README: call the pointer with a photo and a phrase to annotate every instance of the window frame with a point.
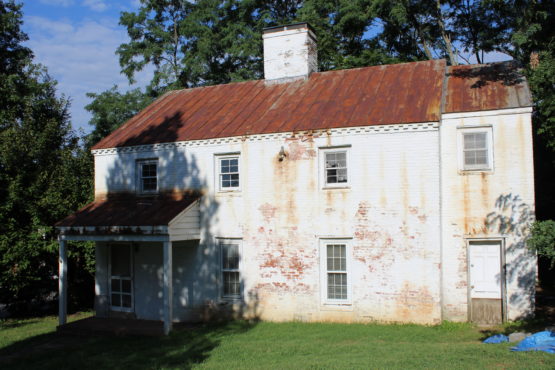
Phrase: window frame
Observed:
(140, 183)
(129, 278)
(324, 242)
(218, 165)
(323, 169)
(222, 242)
(488, 131)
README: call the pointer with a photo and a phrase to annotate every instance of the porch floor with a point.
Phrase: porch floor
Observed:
(115, 326)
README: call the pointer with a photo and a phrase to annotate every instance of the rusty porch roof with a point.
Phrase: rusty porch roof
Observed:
(130, 210)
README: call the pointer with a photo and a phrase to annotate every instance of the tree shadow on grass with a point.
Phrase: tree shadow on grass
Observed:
(16, 324)
(181, 349)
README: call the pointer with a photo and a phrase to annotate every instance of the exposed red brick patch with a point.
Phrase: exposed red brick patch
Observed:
(268, 211)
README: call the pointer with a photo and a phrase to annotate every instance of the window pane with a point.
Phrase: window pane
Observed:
(469, 141)
(229, 173)
(469, 158)
(232, 285)
(230, 256)
(337, 286)
(476, 150)
(126, 300)
(149, 170)
(121, 260)
(116, 300)
(116, 285)
(342, 175)
(149, 183)
(126, 286)
(481, 157)
(336, 167)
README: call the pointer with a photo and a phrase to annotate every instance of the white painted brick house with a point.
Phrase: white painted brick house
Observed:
(392, 193)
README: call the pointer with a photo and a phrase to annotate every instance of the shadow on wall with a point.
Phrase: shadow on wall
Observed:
(514, 217)
(197, 270)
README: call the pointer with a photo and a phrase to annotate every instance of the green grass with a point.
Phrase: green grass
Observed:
(239, 345)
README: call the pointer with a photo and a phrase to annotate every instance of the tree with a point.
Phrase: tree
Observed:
(43, 171)
(542, 240)
(111, 108)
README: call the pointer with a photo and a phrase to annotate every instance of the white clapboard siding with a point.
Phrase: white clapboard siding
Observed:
(186, 225)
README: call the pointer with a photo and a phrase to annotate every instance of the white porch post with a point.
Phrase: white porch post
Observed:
(168, 287)
(62, 283)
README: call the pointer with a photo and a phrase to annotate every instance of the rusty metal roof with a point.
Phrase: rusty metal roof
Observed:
(486, 87)
(130, 210)
(380, 95)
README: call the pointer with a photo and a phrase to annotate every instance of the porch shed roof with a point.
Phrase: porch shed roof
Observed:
(130, 210)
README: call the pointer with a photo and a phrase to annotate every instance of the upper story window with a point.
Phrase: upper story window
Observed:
(228, 172)
(148, 175)
(476, 149)
(335, 163)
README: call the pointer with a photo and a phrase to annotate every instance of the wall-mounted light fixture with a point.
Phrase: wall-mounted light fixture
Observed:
(282, 154)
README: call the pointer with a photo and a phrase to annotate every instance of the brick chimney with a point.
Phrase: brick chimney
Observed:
(289, 52)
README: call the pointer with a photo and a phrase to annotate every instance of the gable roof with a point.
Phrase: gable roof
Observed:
(379, 95)
(479, 87)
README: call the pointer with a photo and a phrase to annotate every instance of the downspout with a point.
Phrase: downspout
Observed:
(441, 261)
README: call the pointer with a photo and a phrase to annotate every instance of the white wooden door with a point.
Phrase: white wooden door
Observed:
(485, 269)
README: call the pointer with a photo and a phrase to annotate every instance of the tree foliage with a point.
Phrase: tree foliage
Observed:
(111, 108)
(542, 239)
(44, 173)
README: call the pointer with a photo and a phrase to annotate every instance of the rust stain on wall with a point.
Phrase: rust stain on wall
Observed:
(414, 303)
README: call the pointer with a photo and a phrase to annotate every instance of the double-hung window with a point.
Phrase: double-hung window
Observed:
(476, 149)
(335, 271)
(228, 172)
(231, 276)
(334, 167)
(147, 175)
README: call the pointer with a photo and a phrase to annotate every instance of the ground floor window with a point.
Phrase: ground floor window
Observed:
(335, 271)
(230, 260)
(121, 286)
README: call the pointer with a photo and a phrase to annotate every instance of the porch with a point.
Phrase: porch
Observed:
(122, 223)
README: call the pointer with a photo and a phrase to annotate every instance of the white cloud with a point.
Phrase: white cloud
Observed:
(95, 5)
(80, 55)
(63, 3)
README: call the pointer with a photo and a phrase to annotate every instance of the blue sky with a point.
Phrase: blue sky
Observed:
(76, 40)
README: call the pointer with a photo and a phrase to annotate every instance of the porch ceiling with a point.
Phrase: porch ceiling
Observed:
(124, 214)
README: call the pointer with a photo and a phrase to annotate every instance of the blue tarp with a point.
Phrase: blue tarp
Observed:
(497, 338)
(542, 341)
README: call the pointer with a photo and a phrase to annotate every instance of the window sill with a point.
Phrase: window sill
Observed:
(345, 187)
(229, 193)
(487, 171)
(336, 306)
(230, 300)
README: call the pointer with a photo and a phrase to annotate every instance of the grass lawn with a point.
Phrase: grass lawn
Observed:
(33, 343)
